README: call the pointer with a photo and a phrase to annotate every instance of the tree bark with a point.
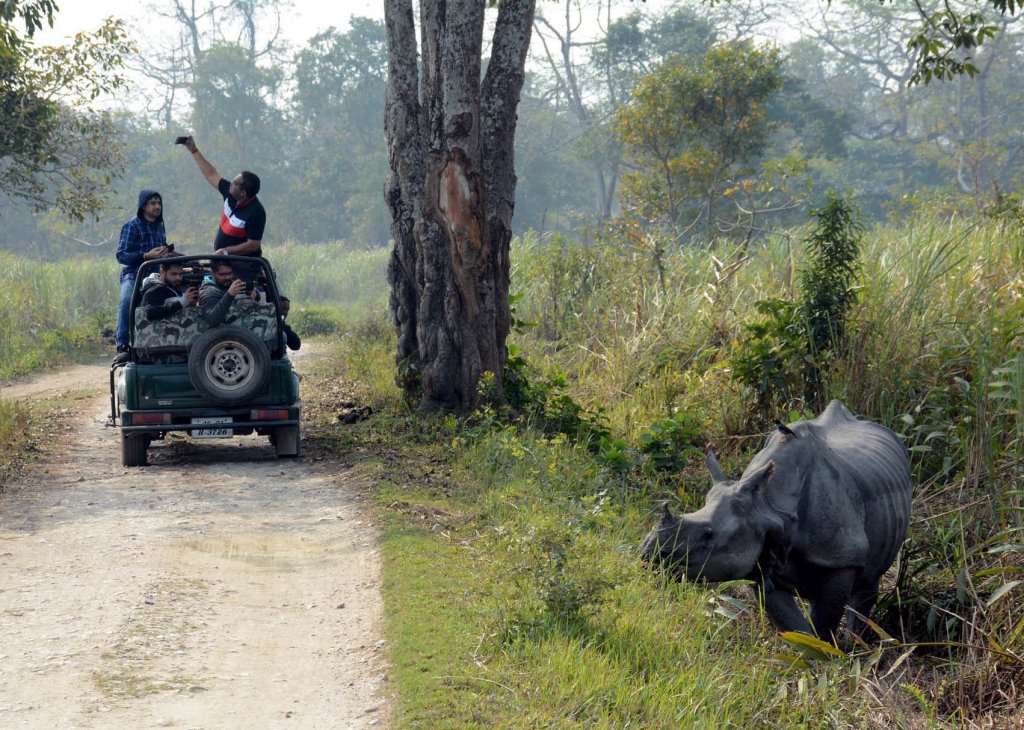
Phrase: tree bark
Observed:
(403, 191)
(451, 194)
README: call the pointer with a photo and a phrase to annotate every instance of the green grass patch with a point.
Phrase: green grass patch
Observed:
(513, 593)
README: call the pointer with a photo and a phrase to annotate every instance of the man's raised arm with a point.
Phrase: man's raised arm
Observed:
(208, 170)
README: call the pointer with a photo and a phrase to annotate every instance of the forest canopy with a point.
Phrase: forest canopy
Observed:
(840, 101)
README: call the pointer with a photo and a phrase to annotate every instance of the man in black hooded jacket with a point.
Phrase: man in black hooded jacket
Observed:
(142, 239)
(161, 292)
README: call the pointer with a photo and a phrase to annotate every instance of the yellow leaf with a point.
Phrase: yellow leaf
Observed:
(811, 645)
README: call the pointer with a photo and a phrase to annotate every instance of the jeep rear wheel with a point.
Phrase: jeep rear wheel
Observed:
(228, 365)
(133, 449)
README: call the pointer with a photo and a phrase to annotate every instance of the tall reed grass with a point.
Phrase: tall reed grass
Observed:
(934, 351)
(51, 312)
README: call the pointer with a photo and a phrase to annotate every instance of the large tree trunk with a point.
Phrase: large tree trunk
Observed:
(404, 189)
(451, 194)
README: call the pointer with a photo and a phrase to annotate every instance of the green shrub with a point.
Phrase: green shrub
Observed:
(544, 402)
(667, 442)
(791, 349)
(310, 320)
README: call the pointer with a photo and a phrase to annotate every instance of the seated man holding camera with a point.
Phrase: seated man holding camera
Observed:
(161, 292)
(219, 291)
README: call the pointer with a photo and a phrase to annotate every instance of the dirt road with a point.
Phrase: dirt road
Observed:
(219, 587)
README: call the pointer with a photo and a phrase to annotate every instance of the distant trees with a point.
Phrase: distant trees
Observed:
(844, 113)
(54, 149)
(588, 80)
(340, 80)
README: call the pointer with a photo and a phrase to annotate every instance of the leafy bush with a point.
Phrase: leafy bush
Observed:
(544, 401)
(769, 361)
(826, 291)
(667, 442)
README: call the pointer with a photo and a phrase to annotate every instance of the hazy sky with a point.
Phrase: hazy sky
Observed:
(305, 18)
(302, 20)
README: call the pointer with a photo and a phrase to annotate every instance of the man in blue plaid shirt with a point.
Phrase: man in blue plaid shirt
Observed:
(142, 239)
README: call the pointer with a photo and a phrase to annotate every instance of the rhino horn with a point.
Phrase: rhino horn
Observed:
(714, 467)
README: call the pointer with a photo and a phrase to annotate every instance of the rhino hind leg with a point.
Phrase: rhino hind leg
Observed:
(862, 600)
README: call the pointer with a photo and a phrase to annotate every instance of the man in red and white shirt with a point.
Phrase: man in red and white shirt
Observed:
(243, 218)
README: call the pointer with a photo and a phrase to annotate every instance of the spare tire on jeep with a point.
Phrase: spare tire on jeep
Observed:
(228, 365)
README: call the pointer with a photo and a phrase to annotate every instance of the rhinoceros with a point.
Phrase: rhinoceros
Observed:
(820, 512)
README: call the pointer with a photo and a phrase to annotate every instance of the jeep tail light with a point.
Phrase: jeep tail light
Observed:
(261, 414)
(150, 419)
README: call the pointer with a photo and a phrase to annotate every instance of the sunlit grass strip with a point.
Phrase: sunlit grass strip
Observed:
(352, 280)
(50, 313)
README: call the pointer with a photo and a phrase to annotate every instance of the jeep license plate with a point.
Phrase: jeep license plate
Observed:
(210, 433)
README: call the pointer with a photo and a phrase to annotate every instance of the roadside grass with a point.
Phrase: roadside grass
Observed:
(49, 313)
(29, 430)
(15, 439)
(513, 593)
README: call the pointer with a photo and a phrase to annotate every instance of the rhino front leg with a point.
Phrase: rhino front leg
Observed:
(829, 601)
(783, 611)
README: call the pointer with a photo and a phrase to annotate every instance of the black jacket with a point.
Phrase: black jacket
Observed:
(214, 302)
(290, 338)
(159, 300)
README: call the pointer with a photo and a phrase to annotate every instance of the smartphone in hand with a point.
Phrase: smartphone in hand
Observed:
(181, 140)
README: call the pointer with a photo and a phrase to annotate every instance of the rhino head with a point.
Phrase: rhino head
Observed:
(725, 539)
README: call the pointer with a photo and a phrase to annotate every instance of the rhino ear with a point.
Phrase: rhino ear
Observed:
(760, 478)
(666, 515)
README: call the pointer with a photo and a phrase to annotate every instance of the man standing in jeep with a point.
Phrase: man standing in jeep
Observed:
(142, 239)
(243, 218)
(161, 292)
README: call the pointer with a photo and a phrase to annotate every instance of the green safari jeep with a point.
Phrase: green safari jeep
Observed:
(212, 381)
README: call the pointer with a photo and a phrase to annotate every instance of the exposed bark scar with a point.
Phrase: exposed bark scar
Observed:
(458, 203)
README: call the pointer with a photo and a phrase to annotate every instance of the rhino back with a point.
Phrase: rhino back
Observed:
(874, 463)
(848, 482)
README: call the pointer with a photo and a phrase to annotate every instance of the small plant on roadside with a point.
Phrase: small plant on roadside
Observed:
(544, 402)
(547, 556)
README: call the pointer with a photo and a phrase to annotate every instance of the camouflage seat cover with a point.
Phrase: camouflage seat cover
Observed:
(177, 331)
